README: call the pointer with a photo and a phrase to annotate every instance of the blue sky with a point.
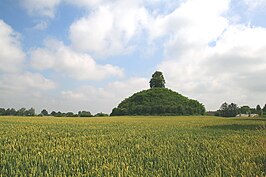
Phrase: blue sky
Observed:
(91, 54)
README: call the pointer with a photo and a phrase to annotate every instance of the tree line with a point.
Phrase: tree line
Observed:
(44, 112)
(232, 110)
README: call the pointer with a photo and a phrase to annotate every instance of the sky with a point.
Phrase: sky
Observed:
(64, 55)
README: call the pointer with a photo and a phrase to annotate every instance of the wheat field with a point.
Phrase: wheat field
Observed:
(132, 146)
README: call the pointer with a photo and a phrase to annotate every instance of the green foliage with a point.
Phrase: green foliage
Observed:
(230, 110)
(21, 112)
(100, 114)
(157, 80)
(44, 112)
(53, 113)
(30, 112)
(57, 114)
(126, 146)
(84, 114)
(245, 110)
(259, 110)
(71, 114)
(25, 112)
(2, 111)
(264, 109)
(158, 101)
(11, 112)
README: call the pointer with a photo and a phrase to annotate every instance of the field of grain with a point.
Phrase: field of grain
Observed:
(132, 146)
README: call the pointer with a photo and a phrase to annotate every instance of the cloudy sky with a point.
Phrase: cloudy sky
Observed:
(66, 55)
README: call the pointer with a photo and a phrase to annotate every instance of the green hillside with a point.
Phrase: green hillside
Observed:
(158, 101)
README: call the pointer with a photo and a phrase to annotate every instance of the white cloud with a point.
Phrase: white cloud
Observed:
(102, 99)
(233, 70)
(45, 8)
(11, 54)
(205, 56)
(24, 81)
(109, 29)
(25, 90)
(58, 57)
(17, 84)
(41, 26)
(126, 88)
(188, 30)
(254, 4)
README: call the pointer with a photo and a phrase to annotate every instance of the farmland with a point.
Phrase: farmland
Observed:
(132, 146)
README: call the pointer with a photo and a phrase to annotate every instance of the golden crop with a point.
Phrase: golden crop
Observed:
(132, 146)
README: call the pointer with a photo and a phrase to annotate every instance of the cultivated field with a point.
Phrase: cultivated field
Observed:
(132, 146)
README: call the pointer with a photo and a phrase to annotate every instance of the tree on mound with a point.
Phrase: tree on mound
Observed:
(157, 80)
(158, 101)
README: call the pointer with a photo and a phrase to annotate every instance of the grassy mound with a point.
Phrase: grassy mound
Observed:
(158, 101)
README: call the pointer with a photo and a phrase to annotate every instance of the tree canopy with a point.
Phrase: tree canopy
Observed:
(44, 112)
(264, 109)
(259, 110)
(228, 110)
(245, 110)
(157, 80)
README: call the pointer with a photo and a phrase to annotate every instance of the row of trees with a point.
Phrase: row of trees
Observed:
(232, 110)
(79, 114)
(20, 112)
(44, 112)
